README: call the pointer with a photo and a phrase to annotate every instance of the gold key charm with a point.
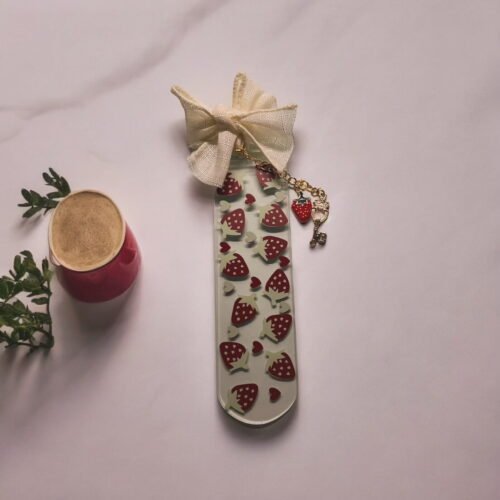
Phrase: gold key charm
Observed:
(321, 209)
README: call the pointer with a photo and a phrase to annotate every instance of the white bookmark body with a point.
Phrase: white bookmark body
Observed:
(255, 315)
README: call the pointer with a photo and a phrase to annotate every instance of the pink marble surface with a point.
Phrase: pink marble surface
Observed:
(397, 318)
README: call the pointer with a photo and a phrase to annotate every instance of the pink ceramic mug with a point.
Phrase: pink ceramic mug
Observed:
(94, 251)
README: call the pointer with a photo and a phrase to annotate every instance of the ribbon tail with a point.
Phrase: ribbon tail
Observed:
(210, 162)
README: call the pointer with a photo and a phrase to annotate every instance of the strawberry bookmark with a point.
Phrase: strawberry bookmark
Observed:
(255, 327)
(244, 151)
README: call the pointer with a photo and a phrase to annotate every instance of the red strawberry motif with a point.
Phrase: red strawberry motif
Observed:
(274, 394)
(277, 287)
(224, 247)
(302, 208)
(231, 187)
(234, 266)
(234, 355)
(276, 327)
(233, 224)
(242, 397)
(254, 283)
(244, 310)
(257, 348)
(249, 199)
(273, 217)
(280, 366)
(271, 247)
(268, 180)
(284, 261)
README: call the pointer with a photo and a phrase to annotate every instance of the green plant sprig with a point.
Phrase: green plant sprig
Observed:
(37, 202)
(20, 325)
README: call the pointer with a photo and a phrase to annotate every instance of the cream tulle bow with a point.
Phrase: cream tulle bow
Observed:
(254, 120)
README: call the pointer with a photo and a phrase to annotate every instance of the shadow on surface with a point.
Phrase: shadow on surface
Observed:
(87, 336)
(96, 319)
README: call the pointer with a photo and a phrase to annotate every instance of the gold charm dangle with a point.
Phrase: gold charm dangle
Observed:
(320, 206)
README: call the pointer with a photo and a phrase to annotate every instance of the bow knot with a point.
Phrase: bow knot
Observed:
(254, 120)
(225, 118)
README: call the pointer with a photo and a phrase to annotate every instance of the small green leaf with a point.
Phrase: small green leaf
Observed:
(26, 195)
(54, 194)
(54, 174)
(19, 307)
(42, 318)
(32, 211)
(40, 300)
(35, 197)
(65, 189)
(30, 284)
(17, 264)
(9, 284)
(4, 290)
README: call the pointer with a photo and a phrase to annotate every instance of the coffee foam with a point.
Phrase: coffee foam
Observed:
(87, 231)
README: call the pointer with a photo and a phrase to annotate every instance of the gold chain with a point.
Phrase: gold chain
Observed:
(321, 207)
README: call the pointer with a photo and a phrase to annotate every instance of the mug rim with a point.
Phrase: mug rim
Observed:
(85, 269)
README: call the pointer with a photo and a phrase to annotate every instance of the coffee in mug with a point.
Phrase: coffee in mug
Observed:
(96, 254)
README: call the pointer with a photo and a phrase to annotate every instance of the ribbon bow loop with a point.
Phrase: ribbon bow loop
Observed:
(254, 118)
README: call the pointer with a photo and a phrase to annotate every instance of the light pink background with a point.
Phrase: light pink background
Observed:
(397, 318)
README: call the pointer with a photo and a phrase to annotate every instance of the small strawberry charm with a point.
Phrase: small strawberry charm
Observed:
(280, 366)
(244, 310)
(302, 208)
(232, 224)
(231, 187)
(255, 283)
(271, 247)
(267, 180)
(257, 348)
(242, 397)
(272, 217)
(277, 287)
(274, 394)
(234, 355)
(276, 327)
(233, 266)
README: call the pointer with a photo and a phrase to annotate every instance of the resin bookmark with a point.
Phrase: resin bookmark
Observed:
(255, 327)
